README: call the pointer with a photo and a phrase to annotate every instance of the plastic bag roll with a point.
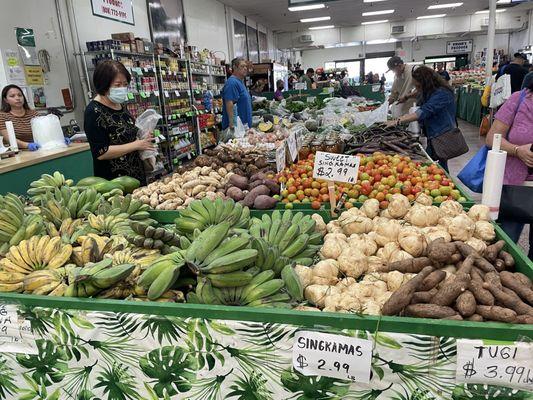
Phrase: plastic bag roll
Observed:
(493, 180)
(11, 135)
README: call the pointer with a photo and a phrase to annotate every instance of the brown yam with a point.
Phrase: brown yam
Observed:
(450, 290)
(455, 317)
(432, 280)
(484, 265)
(495, 313)
(264, 202)
(510, 280)
(254, 184)
(423, 297)
(475, 318)
(492, 251)
(477, 275)
(499, 264)
(252, 195)
(272, 185)
(494, 279)
(429, 311)
(257, 177)
(465, 249)
(483, 296)
(523, 279)
(411, 265)
(466, 304)
(440, 251)
(240, 181)
(467, 264)
(402, 297)
(524, 319)
(509, 299)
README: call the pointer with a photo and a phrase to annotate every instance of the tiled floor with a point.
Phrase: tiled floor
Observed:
(471, 133)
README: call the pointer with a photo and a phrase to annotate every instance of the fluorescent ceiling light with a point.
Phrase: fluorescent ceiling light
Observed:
(346, 44)
(305, 8)
(503, 1)
(449, 5)
(431, 16)
(315, 19)
(370, 13)
(314, 28)
(487, 11)
(381, 21)
(381, 41)
(372, 1)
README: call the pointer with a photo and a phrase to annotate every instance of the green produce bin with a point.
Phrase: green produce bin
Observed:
(116, 349)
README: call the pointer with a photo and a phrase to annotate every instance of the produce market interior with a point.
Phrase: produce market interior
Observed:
(249, 199)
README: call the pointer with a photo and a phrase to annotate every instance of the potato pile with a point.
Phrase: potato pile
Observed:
(416, 260)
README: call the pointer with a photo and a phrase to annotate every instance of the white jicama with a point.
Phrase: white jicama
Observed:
(355, 224)
(387, 251)
(477, 244)
(412, 241)
(398, 206)
(325, 272)
(424, 199)
(371, 208)
(386, 232)
(365, 243)
(320, 225)
(461, 228)
(334, 226)
(352, 262)
(316, 294)
(432, 233)
(305, 274)
(332, 248)
(479, 212)
(451, 208)
(484, 230)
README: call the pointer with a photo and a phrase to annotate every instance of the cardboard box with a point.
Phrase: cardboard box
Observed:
(124, 36)
(139, 45)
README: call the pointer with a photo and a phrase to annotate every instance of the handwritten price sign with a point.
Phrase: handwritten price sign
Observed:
(336, 167)
(293, 146)
(336, 356)
(16, 335)
(503, 364)
(280, 157)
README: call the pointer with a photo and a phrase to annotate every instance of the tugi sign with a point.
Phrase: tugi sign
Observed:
(118, 10)
(459, 47)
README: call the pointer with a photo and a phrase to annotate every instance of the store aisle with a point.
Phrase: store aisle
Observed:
(471, 133)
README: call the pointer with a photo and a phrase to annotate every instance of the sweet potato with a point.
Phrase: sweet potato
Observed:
(495, 313)
(423, 297)
(466, 304)
(235, 193)
(252, 195)
(254, 184)
(483, 296)
(440, 251)
(411, 265)
(240, 181)
(272, 185)
(524, 319)
(455, 317)
(429, 311)
(432, 280)
(402, 297)
(509, 299)
(264, 202)
(510, 280)
(492, 251)
(523, 279)
(450, 290)
(257, 177)
(475, 318)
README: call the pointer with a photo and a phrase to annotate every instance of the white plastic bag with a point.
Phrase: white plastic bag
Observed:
(47, 132)
(500, 91)
(414, 126)
(146, 122)
(378, 115)
(240, 129)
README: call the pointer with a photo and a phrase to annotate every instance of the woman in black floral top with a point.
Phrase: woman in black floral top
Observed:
(110, 130)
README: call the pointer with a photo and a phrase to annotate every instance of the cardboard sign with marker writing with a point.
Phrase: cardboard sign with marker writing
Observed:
(336, 167)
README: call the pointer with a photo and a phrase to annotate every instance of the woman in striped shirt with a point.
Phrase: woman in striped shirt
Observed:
(14, 107)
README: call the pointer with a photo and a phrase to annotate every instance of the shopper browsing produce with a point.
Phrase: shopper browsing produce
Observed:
(442, 72)
(15, 108)
(307, 78)
(110, 129)
(278, 94)
(237, 100)
(403, 85)
(516, 70)
(437, 109)
(514, 121)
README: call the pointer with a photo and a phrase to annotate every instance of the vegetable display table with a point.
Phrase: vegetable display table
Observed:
(469, 105)
(16, 173)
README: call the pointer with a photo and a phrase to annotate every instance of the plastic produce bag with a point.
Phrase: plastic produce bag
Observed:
(47, 132)
(414, 126)
(379, 114)
(146, 122)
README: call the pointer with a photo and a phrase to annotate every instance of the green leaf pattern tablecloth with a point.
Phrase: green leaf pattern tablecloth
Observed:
(104, 355)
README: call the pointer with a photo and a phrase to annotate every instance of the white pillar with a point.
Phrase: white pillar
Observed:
(490, 36)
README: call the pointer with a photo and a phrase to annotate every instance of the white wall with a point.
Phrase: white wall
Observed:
(205, 22)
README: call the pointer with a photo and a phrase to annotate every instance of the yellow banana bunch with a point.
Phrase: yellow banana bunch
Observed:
(109, 225)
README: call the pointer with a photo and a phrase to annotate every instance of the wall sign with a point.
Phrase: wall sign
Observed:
(118, 10)
(459, 47)
(34, 75)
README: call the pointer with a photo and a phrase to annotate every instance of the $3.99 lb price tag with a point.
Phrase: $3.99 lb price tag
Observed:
(508, 365)
(336, 167)
(335, 356)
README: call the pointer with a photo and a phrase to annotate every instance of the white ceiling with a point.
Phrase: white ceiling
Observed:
(275, 15)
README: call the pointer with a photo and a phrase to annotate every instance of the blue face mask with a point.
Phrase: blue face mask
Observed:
(118, 94)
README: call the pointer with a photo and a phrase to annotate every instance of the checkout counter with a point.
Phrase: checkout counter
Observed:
(17, 172)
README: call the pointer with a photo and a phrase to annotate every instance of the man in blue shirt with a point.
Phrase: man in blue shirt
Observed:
(235, 97)
(442, 72)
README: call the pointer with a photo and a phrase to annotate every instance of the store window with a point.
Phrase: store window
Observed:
(239, 39)
(378, 66)
(253, 47)
(263, 46)
(352, 67)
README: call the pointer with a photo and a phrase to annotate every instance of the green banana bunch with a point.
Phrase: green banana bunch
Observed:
(201, 214)
(133, 208)
(150, 237)
(161, 275)
(47, 183)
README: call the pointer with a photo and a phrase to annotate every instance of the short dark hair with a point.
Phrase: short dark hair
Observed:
(5, 107)
(104, 74)
(310, 71)
(236, 61)
(393, 62)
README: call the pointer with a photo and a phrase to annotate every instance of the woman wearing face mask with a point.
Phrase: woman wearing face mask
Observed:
(110, 129)
(15, 108)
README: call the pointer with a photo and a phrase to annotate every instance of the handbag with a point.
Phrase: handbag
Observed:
(449, 145)
(472, 174)
(484, 128)
(515, 204)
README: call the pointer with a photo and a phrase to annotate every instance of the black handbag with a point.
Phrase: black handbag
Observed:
(449, 145)
(516, 204)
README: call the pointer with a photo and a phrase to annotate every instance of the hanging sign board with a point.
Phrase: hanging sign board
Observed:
(459, 47)
(118, 10)
(500, 364)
